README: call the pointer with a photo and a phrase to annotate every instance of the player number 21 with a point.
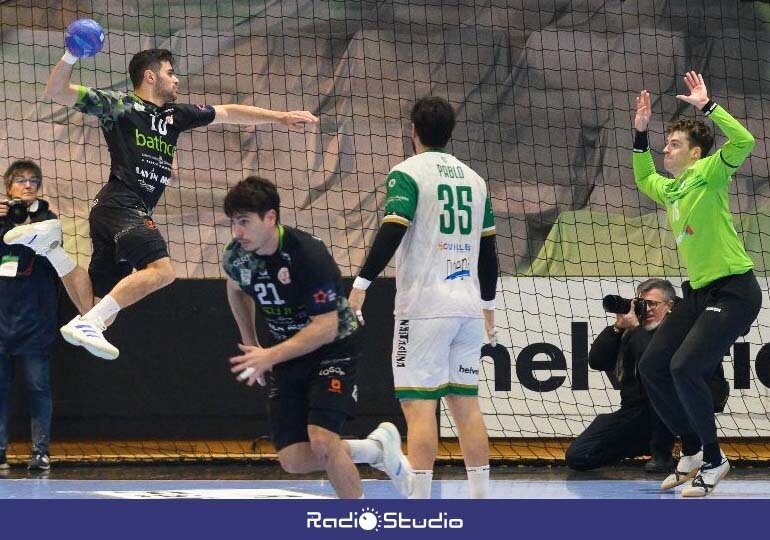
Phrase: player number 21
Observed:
(263, 293)
(456, 210)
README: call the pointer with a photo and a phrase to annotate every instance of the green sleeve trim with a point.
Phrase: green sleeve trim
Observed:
(403, 194)
(489, 217)
(82, 92)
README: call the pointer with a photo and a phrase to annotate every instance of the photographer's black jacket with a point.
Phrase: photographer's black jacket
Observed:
(29, 301)
(609, 349)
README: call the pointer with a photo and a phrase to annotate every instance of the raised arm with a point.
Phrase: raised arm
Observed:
(647, 178)
(740, 142)
(59, 88)
(249, 115)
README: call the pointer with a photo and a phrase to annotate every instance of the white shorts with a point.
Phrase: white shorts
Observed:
(436, 357)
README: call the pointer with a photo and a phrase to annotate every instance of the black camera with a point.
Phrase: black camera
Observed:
(613, 303)
(17, 211)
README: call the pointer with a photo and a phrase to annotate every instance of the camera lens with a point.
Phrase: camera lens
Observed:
(613, 303)
(17, 211)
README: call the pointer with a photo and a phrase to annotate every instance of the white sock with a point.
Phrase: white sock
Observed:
(478, 478)
(61, 261)
(420, 486)
(365, 451)
(101, 312)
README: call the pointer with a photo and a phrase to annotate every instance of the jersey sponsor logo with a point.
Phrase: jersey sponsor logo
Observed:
(245, 277)
(467, 370)
(144, 185)
(332, 370)
(278, 311)
(240, 261)
(402, 342)
(324, 296)
(153, 142)
(714, 308)
(688, 231)
(458, 269)
(397, 198)
(283, 276)
(454, 246)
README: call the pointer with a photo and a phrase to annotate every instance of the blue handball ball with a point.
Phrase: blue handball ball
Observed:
(84, 38)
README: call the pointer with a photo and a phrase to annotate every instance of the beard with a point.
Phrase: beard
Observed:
(652, 325)
(167, 95)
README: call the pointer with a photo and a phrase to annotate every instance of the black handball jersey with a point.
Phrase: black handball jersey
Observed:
(298, 281)
(141, 138)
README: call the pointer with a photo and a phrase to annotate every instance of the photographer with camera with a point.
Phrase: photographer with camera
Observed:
(634, 429)
(29, 290)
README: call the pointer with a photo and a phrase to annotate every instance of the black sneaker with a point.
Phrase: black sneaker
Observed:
(3, 461)
(39, 462)
(659, 463)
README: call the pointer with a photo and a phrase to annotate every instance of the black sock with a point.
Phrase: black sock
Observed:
(711, 454)
(690, 444)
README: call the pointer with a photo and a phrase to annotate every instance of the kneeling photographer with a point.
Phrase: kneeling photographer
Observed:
(29, 291)
(634, 429)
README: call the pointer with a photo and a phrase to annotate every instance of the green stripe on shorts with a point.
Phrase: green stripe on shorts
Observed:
(437, 392)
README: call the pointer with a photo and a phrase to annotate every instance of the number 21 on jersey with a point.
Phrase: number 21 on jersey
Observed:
(267, 295)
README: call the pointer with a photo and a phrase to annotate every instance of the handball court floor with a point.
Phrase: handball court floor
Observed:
(520, 470)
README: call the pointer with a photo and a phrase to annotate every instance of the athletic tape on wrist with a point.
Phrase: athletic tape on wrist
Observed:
(69, 57)
(361, 283)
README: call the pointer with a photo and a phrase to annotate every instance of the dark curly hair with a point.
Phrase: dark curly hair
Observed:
(698, 134)
(254, 194)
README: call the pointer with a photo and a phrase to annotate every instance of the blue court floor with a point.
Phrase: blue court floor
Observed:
(526, 483)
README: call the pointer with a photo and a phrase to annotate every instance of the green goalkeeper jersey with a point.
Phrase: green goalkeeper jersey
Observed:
(698, 205)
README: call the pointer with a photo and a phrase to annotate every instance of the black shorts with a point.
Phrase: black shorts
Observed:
(317, 389)
(123, 238)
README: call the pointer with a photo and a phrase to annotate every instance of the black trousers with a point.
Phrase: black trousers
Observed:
(689, 345)
(626, 433)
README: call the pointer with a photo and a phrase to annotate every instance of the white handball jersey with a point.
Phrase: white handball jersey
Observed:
(447, 210)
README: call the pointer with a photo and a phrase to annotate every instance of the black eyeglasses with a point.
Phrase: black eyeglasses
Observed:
(652, 304)
(21, 180)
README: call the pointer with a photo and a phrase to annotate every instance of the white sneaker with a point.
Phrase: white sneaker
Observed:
(394, 463)
(86, 334)
(686, 469)
(707, 479)
(42, 236)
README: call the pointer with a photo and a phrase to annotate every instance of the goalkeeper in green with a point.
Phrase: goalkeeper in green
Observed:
(722, 297)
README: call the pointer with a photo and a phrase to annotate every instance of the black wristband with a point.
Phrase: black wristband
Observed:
(641, 143)
(709, 107)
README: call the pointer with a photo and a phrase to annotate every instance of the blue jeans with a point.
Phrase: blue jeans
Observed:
(37, 374)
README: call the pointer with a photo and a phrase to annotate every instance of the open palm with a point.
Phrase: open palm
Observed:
(699, 95)
(643, 111)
